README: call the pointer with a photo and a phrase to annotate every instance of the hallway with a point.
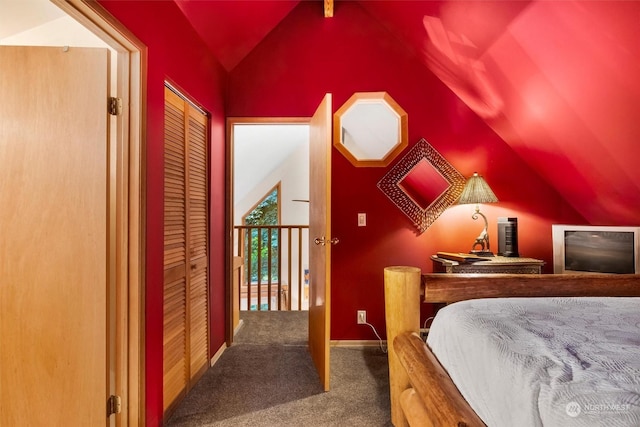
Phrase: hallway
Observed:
(267, 378)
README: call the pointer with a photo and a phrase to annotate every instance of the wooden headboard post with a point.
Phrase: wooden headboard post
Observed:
(402, 314)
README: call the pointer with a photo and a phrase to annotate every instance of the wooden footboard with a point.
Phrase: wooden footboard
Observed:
(422, 393)
(434, 395)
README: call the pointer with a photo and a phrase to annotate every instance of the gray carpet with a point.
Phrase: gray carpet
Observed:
(267, 378)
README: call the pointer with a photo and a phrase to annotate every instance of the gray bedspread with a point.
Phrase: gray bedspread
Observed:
(544, 361)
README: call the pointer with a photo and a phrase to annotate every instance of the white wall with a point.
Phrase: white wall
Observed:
(64, 31)
(263, 159)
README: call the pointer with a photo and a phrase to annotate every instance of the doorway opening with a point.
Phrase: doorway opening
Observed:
(270, 188)
(318, 202)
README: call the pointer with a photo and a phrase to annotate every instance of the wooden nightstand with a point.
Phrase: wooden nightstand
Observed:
(497, 264)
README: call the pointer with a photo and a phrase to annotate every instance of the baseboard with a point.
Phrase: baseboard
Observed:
(356, 343)
(216, 356)
(237, 329)
(332, 343)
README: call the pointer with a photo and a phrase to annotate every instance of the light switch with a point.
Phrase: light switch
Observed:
(362, 220)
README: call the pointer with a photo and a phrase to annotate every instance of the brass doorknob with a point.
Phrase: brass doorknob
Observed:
(322, 241)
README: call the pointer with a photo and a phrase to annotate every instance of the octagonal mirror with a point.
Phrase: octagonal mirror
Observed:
(370, 129)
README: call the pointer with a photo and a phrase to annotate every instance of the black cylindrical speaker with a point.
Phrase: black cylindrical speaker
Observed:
(508, 237)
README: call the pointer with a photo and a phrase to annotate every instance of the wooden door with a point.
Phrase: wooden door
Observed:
(198, 239)
(186, 260)
(54, 246)
(320, 231)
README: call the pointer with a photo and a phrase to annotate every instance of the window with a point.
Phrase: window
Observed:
(259, 242)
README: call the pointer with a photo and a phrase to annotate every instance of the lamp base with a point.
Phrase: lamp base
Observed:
(482, 253)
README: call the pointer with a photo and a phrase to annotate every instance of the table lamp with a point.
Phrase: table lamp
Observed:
(477, 191)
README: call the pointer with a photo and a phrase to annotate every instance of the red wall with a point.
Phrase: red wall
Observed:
(557, 80)
(176, 54)
(307, 56)
(287, 75)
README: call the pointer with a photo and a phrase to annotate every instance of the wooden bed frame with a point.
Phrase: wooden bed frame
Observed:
(421, 391)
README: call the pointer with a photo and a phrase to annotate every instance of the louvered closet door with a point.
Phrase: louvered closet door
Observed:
(186, 329)
(175, 252)
(197, 220)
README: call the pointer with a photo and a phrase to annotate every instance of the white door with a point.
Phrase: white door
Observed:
(54, 236)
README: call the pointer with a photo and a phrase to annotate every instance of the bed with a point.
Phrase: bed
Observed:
(461, 377)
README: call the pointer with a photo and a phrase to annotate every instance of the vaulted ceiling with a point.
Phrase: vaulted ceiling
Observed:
(232, 29)
(558, 81)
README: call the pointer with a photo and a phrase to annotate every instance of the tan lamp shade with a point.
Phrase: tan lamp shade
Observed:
(476, 190)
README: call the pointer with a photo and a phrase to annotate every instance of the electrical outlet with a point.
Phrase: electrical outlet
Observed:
(362, 317)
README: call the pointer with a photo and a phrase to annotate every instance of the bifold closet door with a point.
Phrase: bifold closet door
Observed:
(186, 296)
(197, 208)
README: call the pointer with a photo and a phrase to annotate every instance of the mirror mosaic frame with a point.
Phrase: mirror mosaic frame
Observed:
(390, 185)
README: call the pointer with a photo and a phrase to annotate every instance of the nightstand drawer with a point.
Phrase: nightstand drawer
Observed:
(497, 264)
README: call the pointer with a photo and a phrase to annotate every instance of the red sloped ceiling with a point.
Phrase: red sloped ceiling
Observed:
(231, 29)
(556, 80)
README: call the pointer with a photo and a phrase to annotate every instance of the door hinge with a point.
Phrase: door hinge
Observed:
(114, 405)
(115, 106)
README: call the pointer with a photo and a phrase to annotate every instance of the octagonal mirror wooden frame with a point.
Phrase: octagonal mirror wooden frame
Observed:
(370, 129)
(425, 202)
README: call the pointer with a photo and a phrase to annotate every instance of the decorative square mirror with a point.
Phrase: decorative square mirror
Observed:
(422, 185)
(370, 129)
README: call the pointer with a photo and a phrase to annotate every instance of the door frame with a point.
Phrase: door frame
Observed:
(229, 255)
(127, 206)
